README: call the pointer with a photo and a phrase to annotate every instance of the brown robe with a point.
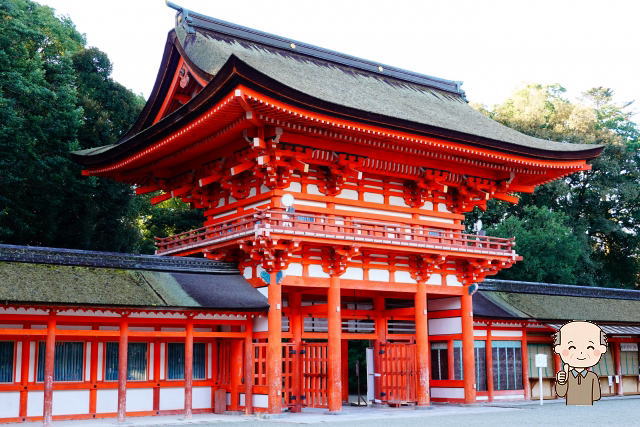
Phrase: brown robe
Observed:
(581, 388)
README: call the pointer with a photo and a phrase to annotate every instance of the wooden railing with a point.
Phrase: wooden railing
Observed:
(335, 227)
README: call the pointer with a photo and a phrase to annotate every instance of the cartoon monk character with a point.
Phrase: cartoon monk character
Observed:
(580, 346)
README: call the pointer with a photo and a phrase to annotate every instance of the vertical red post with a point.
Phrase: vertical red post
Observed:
(489, 364)
(422, 344)
(274, 346)
(236, 373)
(381, 332)
(188, 369)
(557, 366)
(468, 362)
(617, 361)
(24, 377)
(248, 367)
(525, 365)
(123, 348)
(49, 358)
(93, 376)
(295, 326)
(334, 318)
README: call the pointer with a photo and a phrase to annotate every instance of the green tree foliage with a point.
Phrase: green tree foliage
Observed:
(56, 96)
(601, 206)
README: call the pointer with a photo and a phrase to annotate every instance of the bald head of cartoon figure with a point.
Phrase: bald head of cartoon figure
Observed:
(580, 344)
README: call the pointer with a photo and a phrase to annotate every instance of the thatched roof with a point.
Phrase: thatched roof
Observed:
(62, 276)
(550, 302)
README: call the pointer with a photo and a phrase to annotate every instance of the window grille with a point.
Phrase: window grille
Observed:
(439, 361)
(175, 361)
(136, 361)
(68, 362)
(507, 365)
(6, 361)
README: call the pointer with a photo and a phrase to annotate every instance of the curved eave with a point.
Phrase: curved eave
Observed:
(236, 72)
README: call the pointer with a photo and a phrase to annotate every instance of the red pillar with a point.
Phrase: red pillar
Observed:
(334, 319)
(468, 363)
(381, 332)
(248, 367)
(188, 369)
(49, 358)
(489, 365)
(618, 365)
(236, 373)
(422, 344)
(274, 346)
(295, 326)
(557, 365)
(24, 377)
(123, 347)
(525, 365)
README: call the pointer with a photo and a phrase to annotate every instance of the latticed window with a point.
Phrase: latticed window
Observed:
(507, 365)
(175, 361)
(480, 352)
(439, 361)
(6, 361)
(605, 366)
(136, 361)
(457, 360)
(534, 349)
(629, 362)
(68, 361)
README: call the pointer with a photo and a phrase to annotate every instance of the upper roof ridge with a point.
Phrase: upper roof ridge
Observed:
(191, 20)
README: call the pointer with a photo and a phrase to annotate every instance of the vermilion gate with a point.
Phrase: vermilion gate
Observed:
(397, 362)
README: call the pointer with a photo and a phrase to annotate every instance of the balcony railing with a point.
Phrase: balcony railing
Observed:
(334, 227)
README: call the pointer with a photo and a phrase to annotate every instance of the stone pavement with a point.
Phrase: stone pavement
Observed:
(619, 411)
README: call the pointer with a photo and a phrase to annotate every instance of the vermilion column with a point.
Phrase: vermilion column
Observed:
(422, 344)
(489, 364)
(557, 365)
(188, 369)
(123, 347)
(525, 365)
(296, 326)
(274, 346)
(618, 364)
(334, 319)
(248, 367)
(49, 358)
(381, 332)
(236, 373)
(468, 364)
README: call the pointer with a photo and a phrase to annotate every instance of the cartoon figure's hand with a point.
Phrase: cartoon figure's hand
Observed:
(561, 376)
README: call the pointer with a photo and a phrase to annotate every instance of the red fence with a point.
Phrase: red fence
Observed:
(347, 228)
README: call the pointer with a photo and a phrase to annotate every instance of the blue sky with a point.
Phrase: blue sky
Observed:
(494, 47)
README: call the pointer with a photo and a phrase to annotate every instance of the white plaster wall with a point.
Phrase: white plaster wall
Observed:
(452, 280)
(260, 324)
(354, 273)
(451, 303)
(311, 203)
(201, 397)
(294, 269)
(264, 189)
(163, 349)
(435, 279)
(378, 275)
(445, 326)
(508, 397)
(373, 197)
(404, 277)
(427, 206)
(397, 201)
(259, 400)
(313, 189)
(442, 207)
(503, 333)
(373, 211)
(152, 361)
(447, 392)
(171, 398)
(139, 399)
(107, 401)
(295, 187)
(70, 402)
(9, 404)
(35, 400)
(479, 333)
(436, 219)
(32, 357)
(348, 194)
(315, 270)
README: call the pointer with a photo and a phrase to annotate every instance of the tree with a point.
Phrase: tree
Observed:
(56, 96)
(602, 204)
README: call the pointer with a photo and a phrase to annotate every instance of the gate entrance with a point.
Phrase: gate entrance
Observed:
(397, 362)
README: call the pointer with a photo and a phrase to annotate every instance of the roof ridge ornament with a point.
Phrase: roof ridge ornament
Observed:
(182, 17)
